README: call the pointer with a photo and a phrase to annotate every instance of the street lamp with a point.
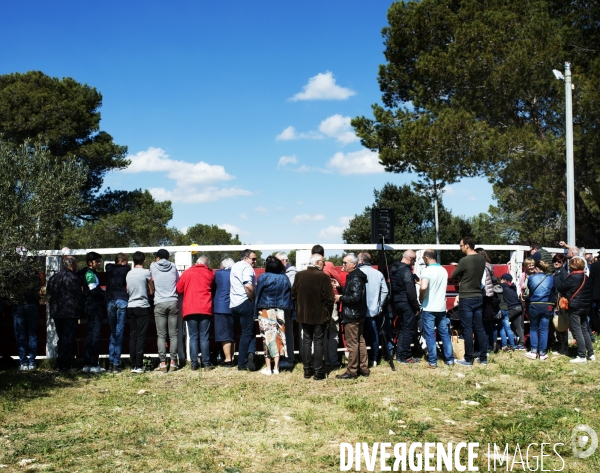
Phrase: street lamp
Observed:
(569, 138)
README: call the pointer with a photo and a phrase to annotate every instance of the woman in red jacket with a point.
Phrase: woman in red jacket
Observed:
(197, 285)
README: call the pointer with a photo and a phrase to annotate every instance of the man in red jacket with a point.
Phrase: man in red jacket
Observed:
(197, 285)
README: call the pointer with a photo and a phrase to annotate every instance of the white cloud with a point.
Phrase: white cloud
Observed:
(332, 232)
(243, 216)
(323, 87)
(197, 196)
(184, 229)
(345, 220)
(357, 162)
(287, 160)
(290, 134)
(233, 229)
(260, 210)
(338, 127)
(298, 219)
(194, 182)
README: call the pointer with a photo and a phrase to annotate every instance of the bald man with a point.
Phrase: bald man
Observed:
(406, 304)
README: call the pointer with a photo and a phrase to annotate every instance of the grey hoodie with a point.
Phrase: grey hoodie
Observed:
(165, 277)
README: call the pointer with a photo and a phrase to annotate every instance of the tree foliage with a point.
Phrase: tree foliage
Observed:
(414, 221)
(142, 223)
(201, 234)
(468, 85)
(37, 192)
(65, 115)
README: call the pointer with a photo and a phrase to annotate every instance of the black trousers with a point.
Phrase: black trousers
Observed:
(408, 329)
(65, 329)
(139, 318)
(313, 361)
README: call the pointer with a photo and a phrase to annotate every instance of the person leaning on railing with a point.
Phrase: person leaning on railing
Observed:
(577, 289)
(541, 299)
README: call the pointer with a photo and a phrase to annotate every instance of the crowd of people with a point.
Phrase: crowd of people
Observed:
(556, 293)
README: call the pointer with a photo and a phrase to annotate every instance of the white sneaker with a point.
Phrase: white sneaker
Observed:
(137, 370)
(97, 369)
(275, 371)
(543, 357)
(531, 355)
(23, 367)
(592, 357)
(266, 372)
(579, 359)
(86, 369)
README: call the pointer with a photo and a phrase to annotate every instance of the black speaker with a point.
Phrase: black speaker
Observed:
(382, 225)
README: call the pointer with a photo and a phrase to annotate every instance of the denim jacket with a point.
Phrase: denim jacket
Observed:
(273, 291)
(541, 288)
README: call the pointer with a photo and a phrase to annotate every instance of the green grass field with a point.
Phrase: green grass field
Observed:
(230, 421)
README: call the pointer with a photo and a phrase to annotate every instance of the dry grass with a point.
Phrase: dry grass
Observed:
(230, 421)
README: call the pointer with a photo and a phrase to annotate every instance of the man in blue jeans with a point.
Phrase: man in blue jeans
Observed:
(26, 316)
(434, 280)
(469, 271)
(116, 308)
(241, 297)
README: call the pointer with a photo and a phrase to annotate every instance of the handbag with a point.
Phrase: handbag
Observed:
(458, 345)
(563, 302)
(560, 320)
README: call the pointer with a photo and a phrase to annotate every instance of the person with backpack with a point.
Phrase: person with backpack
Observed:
(577, 290)
(542, 298)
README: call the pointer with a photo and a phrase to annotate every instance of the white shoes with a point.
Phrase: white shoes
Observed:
(97, 369)
(591, 358)
(86, 369)
(579, 359)
(266, 372)
(275, 371)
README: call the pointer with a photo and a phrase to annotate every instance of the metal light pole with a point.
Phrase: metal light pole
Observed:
(569, 144)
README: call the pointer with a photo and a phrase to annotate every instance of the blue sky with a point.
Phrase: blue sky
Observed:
(236, 111)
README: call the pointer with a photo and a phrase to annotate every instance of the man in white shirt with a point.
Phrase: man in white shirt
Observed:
(241, 295)
(434, 280)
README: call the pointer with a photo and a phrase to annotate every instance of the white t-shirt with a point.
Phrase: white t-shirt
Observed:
(242, 274)
(435, 298)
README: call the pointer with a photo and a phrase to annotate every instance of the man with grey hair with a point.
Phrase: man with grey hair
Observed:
(406, 304)
(377, 292)
(287, 362)
(66, 307)
(241, 302)
(354, 311)
(313, 295)
(196, 284)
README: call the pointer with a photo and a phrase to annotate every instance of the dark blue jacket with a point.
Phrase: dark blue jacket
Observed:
(116, 284)
(510, 295)
(273, 291)
(222, 286)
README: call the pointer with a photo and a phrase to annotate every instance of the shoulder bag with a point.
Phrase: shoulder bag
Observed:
(563, 302)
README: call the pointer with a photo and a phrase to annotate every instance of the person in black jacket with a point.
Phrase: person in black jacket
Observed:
(406, 303)
(66, 307)
(354, 311)
(560, 274)
(595, 280)
(116, 308)
(514, 308)
(577, 288)
(94, 309)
